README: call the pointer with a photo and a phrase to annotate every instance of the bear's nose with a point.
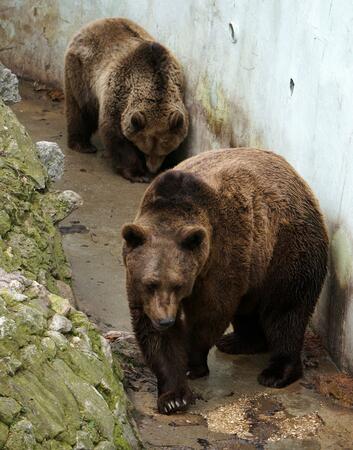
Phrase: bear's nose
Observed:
(168, 322)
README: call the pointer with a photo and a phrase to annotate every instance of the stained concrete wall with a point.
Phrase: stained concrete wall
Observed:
(274, 73)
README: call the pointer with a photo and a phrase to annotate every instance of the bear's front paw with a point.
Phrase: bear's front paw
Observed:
(173, 401)
(84, 148)
(134, 176)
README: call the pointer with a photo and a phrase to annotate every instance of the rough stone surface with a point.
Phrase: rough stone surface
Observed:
(59, 388)
(52, 158)
(58, 205)
(8, 85)
(71, 198)
(29, 240)
(54, 393)
(60, 323)
(60, 305)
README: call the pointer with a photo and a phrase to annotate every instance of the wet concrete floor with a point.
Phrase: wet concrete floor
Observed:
(232, 411)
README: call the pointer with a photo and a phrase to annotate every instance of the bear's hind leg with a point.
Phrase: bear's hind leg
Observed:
(199, 342)
(285, 334)
(81, 120)
(247, 337)
(80, 127)
(197, 363)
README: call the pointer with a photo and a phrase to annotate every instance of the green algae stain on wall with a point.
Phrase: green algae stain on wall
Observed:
(225, 118)
(214, 105)
(342, 257)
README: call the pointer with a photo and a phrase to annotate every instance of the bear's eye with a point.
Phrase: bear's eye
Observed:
(177, 287)
(151, 287)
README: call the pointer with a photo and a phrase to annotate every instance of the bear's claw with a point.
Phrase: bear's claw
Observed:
(171, 402)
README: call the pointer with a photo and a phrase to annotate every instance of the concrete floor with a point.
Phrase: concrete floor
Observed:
(233, 411)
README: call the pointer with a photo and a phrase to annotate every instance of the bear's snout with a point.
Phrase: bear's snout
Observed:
(162, 310)
(163, 324)
(154, 162)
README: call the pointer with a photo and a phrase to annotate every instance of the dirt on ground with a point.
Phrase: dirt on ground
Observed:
(232, 410)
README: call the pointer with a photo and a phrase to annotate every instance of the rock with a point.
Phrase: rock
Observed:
(83, 441)
(29, 320)
(68, 391)
(9, 365)
(59, 391)
(8, 85)
(31, 356)
(60, 323)
(106, 349)
(21, 436)
(59, 339)
(82, 343)
(9, 409)
(60, 305)
(4, 432)
(30, 242)
(65, 292)
(105, 445)
(52, 158)
(18, 297)
(2, 307)
(48, 347)
(8, 328)
(59, 205)
(71, 198)
(5, 223)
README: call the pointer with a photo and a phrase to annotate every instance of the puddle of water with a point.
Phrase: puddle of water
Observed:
(71, 229)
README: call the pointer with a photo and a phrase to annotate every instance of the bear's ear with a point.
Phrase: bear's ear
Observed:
(192, 237)
(176, 120)
(134, 235)
(138, 121)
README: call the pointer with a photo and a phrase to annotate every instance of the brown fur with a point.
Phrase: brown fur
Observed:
(119, 80)
(229, 236)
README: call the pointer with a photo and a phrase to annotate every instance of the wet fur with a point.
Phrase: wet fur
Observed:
(114, 68)
(264, 272)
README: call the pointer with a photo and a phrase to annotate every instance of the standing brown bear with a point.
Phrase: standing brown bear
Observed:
(118, 79)
(228, 236)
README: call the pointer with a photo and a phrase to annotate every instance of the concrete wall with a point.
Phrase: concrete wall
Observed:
(274, 73)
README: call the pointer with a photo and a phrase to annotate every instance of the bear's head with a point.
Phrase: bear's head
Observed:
(156, 131)
(162, 266)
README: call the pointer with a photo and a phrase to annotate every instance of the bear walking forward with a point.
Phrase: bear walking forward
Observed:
(228, 236)
(118, 79)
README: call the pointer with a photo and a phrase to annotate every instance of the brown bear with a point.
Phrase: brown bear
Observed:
(118, 79)
(228, 236)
